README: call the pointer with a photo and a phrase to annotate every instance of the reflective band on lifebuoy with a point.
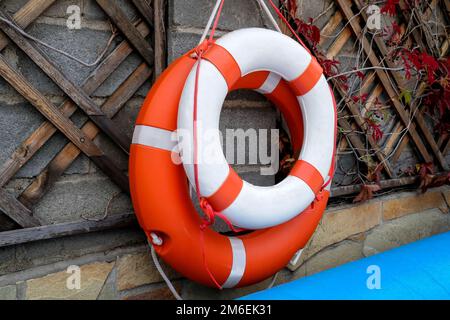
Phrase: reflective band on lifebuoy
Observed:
(162, 201)
(235, 55)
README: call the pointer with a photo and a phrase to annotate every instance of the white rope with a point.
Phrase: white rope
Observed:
(48, 46)
(365, 69)
(210, 21)
(204, 35)
(163, 274)
(216, 9)
(270, 15)
(274, 280)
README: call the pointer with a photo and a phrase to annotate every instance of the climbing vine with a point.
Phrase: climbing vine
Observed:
(413, 43)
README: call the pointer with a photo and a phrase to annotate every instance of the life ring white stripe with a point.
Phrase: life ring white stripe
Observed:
(213, 166)
(318, 145)
(248, 55)
(271, 83)
(292, 193)
(155, 138)
(239, 263)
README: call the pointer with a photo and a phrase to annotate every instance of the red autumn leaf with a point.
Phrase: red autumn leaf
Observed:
(375, 128)
(409, 4)
(426, 182)
(426, 168)
(360, 75)
(431, 65)
(409, 171)
(366, 193)
(309, 31)
(407, 66)
(330, 66)
(425, 176)
(441, 181)
(396, 28)
(390, 7)
(394, 35)
(364, 97)
(291, 6)
(287, 162)
(375, 174)
(421, 61)
(377, 133)
(343, 81)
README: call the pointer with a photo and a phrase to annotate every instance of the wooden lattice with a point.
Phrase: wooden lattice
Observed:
(427, 146)
(19, 209)
(389, 83)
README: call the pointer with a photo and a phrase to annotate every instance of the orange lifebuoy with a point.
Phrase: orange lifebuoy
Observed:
(222, 63)
(164, 208)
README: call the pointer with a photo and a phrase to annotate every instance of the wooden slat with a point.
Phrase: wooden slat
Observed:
(367, 82)
(112, 62)
(384, 184)
(333, 51)
(26, 15)
(346, 9)
(15, 237)
(126, 90)
(160, 36)
(134, 37)
(47, 109)
(330, 27)
(40, 136)
(353, 139)
(335, 48)
(398, 152)
(54, 115)
(340, 41)
(447, 148)
(47, 178)
(390, 142)
(422, 87)
(16, 211)
(403, 13)
(442, 138)
(418, 115)
(145, 9)
(67, 86)
(373, 144)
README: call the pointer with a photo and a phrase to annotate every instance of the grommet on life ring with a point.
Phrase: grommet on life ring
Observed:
(234, 55)
(163, 205)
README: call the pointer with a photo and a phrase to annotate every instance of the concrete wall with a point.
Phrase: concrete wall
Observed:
(116, 264)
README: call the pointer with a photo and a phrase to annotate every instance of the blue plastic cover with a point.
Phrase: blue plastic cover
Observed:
(420, 270)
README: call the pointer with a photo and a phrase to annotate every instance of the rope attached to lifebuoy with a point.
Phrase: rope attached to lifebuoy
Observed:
(208, 210)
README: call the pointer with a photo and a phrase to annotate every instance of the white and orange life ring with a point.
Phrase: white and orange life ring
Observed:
(160, 190)
(235, 55)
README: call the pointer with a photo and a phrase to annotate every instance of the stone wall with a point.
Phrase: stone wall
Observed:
(126, 272)
(243, 109)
